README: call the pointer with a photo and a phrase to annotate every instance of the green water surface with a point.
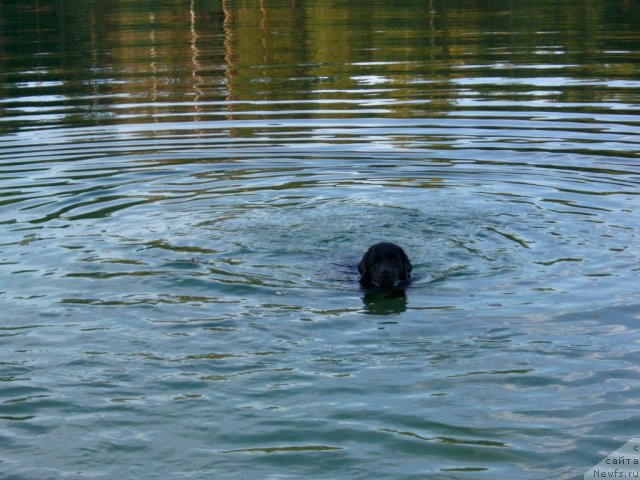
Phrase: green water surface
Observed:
(186, 188)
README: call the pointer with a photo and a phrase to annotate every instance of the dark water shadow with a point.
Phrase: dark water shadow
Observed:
(377, 302)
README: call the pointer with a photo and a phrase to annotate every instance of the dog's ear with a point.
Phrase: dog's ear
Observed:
(406, 264)
(362, 266)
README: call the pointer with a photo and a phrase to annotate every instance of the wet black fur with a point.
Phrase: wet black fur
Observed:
(385, 266)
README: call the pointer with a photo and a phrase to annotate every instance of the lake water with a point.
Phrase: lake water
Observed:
(186, 188)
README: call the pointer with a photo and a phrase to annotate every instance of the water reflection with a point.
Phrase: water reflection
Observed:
(385, 302)
(197, 59)
(182, 183)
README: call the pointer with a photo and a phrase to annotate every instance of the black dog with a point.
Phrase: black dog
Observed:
(385, 266)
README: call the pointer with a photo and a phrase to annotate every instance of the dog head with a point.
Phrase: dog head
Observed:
(384, 266)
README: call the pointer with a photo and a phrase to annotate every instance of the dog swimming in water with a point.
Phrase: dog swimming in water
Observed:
(385, 266)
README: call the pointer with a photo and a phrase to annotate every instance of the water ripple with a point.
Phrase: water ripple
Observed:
(185, 195)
